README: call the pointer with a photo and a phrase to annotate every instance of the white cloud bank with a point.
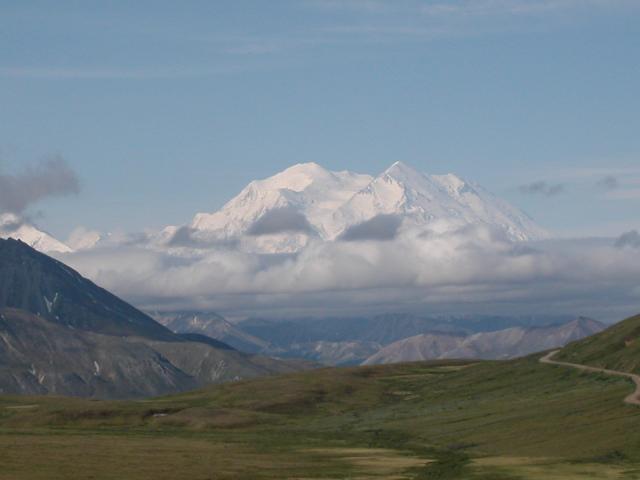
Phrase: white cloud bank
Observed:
(465, 271)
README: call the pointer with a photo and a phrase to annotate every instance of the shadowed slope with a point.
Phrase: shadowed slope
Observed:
(62, 334)
(36, 283)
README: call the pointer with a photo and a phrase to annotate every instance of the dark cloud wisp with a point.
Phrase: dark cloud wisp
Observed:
(608, 183)
(541, 188)
(280, 220)
(380, 227)
(629, 239)
(191, 238)
(48, 178)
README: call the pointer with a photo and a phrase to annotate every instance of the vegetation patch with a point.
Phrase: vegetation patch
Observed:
(490, 420)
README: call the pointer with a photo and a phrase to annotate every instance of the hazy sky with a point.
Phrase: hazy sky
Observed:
(164, 109)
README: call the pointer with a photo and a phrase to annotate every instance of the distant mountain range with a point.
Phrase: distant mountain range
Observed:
(283, 213)
(211, 325)
(388, 338)
(502, 344)
(62, 334)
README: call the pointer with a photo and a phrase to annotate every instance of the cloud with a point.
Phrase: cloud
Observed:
(184, 237)
(82, 238)
(616, 183)
(83, 73)
(380, 227)
(467, 8)
(49, 178)
(459, 271)
(115, 73)
(629, 239)
(337, 22)
(608, 183)
(542, 188)
(625, 194)
(280, 220)
(371, 6)
(10, 222)
(471, 8)
(192, 238)
(255, 47)
(415, 19)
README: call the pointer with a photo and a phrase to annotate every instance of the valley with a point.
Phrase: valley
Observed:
(509, 420)
(320, 240)
(61, 336)
(156, 402)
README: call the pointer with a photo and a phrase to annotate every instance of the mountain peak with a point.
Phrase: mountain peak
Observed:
(582, 321)
(297, 177)
(401, 170)
(13, 226)
(307, 167)
(408, 177)
(310, 169)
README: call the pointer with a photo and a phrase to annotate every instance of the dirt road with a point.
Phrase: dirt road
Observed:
(633, 398)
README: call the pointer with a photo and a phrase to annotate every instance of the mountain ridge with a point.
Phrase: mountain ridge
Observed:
(62, 334)
(352, 341)
(501, 344)
(37, 283)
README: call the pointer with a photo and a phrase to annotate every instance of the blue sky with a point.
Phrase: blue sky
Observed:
(168, 108)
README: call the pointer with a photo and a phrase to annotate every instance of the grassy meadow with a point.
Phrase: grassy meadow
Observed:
(428, 420)
(616, 348)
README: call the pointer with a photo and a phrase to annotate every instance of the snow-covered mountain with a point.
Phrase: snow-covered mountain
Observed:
(307, 188)
(12, 226)
(281, 213)
(443, 201)
(284, 212)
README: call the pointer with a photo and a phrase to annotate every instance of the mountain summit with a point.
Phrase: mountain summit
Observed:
(284, 212)
(12, 226)
(306, 188)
